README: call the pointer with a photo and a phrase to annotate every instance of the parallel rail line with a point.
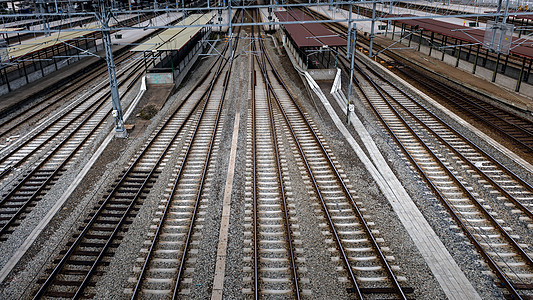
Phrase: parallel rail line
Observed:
(85, 257)
(77, 267)
(365, 263)
(165, 263)
(515, 128)
(485, 198)
(33, 112)
(62, 141)
(273, 245)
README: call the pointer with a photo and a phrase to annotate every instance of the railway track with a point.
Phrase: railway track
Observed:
(271, 241)
(515, 128)
(45, 153)
(491, 205)
(171, 247)
(366, 266)
(192, 127)
(16, 123)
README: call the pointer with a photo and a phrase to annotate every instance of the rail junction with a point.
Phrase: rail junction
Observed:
(250, 150)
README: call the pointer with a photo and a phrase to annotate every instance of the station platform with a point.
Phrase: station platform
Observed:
(466, 79)
(476, 83)
(34, 25)
(44, 84)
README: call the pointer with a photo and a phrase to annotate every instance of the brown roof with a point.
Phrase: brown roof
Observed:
(467, 34)
(308, 34)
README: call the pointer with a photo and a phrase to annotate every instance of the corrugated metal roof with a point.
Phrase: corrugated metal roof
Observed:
(467, 34)
(308, 34)
(175, 38)
(16, 51)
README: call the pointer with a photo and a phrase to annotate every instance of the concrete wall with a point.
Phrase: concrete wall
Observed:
(322, 74)
(159, 78)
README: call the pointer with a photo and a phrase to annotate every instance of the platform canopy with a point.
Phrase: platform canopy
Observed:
(175, 38)
(519, 46)
(308, 34)
(11, 29)
(38, 44)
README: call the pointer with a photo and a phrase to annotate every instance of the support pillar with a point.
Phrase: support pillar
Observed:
(528, 71)
(458, 55)
(7, 80)
(420, 39)
(25, 72)
(349, 42)
(505, 65)
(372, 30)
(431, 42)
(40, 62)
(105, 15)
(486, 58)
(496, 68)
(410, 37)
(444, 42)
(517, 89)
(54, 57)
(349, 104)
(454, 48)
(475, 61)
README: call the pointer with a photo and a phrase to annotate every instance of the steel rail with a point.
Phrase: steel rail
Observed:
(202, 182)
(509, 196)
(206, 95)
(254, 182)
(283, 199)
(380, 254)
(499, 273)
(204, 174)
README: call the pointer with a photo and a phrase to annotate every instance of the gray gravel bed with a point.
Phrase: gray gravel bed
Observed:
(323, 278)
(395, 236)
(459, 246)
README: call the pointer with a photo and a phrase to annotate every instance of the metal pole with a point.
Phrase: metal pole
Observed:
(349, 104)
(229, 33)
(420, 39)
(7, 80)
(444, 41)
(431, 42)
(505, 64)
(349, 42)
(372, 29)
(528, 71)
(105, 15)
